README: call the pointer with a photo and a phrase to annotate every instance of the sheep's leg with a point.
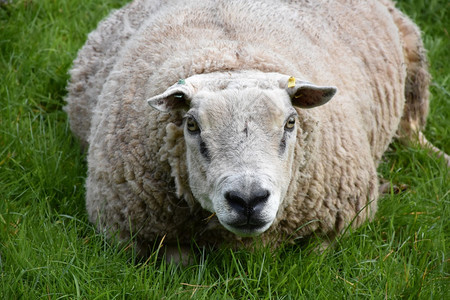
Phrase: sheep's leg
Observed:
(416, 87)
(417, 79)
(426, 144)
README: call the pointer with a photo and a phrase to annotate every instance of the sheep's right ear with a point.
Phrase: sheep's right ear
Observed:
(307, 95)
(176, 97)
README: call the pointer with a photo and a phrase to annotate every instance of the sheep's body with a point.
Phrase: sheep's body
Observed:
(138, 182)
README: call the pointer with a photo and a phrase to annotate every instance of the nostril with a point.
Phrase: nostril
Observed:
(258, 200)
(236, 201)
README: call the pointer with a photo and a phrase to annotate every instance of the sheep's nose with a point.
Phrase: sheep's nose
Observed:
(247, 203)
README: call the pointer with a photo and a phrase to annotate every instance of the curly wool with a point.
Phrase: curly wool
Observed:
(137, 178)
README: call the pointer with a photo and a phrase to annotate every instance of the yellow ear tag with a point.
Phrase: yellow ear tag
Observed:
(291, 82)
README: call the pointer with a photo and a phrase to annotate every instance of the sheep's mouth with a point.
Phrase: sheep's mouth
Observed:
(248, 228)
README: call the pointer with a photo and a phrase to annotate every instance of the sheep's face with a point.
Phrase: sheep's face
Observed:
(240, 137)
(240, 146)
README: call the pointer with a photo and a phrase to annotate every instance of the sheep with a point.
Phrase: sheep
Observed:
(218, 121)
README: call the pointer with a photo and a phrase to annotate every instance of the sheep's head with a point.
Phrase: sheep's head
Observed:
(240, 132)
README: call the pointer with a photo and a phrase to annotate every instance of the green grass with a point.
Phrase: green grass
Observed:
(49, 250)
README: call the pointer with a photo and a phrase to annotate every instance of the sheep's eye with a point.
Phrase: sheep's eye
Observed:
(290, 123)
(192, 125)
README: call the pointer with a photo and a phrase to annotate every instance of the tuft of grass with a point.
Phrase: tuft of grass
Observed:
(48, 249)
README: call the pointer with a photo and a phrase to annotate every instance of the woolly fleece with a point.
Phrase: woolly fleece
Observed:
(137, 178)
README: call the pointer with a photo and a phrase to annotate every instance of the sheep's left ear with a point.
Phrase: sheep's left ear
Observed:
(308, 95)
(176, 97)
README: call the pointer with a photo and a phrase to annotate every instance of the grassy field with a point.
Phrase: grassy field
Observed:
(49, 250)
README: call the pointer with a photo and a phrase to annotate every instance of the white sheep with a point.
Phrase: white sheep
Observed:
(242, 141)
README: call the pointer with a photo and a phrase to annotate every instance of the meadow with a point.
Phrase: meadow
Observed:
(49, 250)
